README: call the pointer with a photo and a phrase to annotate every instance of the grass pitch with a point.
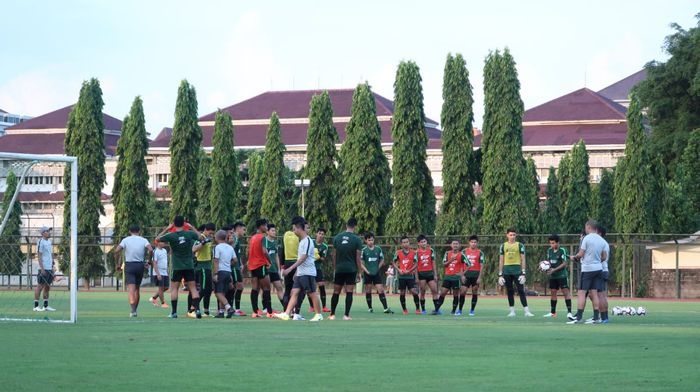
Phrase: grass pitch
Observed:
(106, 351)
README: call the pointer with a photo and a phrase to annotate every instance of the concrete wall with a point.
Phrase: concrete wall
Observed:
(663, 283)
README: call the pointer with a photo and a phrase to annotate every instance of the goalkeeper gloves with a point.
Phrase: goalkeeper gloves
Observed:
(521, 279)
(501, 281)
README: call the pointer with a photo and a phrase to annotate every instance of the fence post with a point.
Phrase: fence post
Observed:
(624, 271)
(678, 271)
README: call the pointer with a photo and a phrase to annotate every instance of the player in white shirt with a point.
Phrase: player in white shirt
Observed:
(46, 271)
(305, 278)
(136, 254)
(160, 268)
(224, 257)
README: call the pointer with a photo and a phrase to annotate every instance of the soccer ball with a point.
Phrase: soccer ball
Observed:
(617, 311)
(641, 311)
(545, 265)
(633, 311)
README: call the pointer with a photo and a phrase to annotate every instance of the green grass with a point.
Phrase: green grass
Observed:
(107, 351)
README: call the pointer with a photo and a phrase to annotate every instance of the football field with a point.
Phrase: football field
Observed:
(107, 351)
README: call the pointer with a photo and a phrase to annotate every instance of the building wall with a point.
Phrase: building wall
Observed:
(663, 283)
(664, 258)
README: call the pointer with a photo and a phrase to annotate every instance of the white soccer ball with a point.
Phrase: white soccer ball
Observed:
(545, 265)
(633, 311)
(641, 311)
(616, 311)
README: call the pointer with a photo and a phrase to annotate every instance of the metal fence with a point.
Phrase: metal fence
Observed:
(631, 271)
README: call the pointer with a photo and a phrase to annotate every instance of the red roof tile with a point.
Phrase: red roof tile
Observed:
(579, 105)
(620, 90)
(59, 118)
(48, 143)
(164, 134)
(295, 104)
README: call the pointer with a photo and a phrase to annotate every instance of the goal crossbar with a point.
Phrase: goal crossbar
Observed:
(73, 161)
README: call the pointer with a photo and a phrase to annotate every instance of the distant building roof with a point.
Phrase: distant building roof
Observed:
(620, 90)
(38, 197)
(164, 134)
(58, 119)
(252, 115)
(2, 111)
(582, 104)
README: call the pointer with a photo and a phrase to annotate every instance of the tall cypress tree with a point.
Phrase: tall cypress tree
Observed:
(185, 144)
(10, 240)
(502, 162)
(564, 174)
(457, 117)
(363, 167)
(675, 216)
(633, 197)
(85, 140)
(133, 194)
(322, 197)
(577, 208)
(409, 213)
(273, 201)
(604, 208)
(532, 197)
(551, 216)
(689, 177)
(204, 189)
(119, 173)
(255, 190)
(225, 179)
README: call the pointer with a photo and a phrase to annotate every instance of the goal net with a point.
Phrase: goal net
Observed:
(38, 282)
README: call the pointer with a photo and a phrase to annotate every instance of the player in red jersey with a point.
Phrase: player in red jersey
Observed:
(472, 277)
(427, 273)
(456, 264)
(405, 262)
(259, 265)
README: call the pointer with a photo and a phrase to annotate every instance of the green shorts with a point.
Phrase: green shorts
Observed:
(512, 270)
(427, 276)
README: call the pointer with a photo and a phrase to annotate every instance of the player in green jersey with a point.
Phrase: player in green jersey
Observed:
(270, 243)
(558, 276)
(373, 261)
(320, 256)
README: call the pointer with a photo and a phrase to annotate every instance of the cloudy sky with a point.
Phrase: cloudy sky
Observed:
(231, 51)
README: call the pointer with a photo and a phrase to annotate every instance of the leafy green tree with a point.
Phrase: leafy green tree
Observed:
(255, 190)
(85, 140)
(119, 173)
(204, 189)
(409, 214)
(273, 175)
(502, 163)
(633, 191)
(225, 176)
(552, 213)
(11, 255)
(689, 177)
(364, 169)
(671, 94)
(604, 208)
(185, 143)
(322, 196)
(532, 197)
(577, 208)
(675, 218)
(132, 192)
(457, 117)
(564, 173)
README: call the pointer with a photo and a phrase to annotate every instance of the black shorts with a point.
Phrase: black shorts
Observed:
(186, 274)
(260, 272)
(319, 275)
(46, 278)
(133, 273)
(203, 279)
(470, 281)
(306, 283)
(372, 279)
(426, 276)
(604, 281)
(407, 284)
(344, 278)
(558, 283)
(591, 280)
(275, 277)
(451, 284)
(163, 282)
(223, 282)
(237, 275)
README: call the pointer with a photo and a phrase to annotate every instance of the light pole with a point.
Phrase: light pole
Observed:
(303, 184)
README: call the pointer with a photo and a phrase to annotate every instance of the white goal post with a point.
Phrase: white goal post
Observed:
(73, 161)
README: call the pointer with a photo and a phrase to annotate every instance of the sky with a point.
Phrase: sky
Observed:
(234, 50)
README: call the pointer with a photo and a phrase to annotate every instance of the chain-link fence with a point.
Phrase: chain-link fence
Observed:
(641, 265)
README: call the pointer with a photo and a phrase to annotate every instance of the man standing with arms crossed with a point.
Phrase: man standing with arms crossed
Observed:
(347, 262)
(136, 252)
(45, 277)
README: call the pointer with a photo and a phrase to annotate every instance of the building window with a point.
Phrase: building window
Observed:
(162, 180)
(60, 180)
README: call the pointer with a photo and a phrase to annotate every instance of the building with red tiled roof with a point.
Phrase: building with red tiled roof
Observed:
(619, 91)
(42, 189)
(251, 119)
